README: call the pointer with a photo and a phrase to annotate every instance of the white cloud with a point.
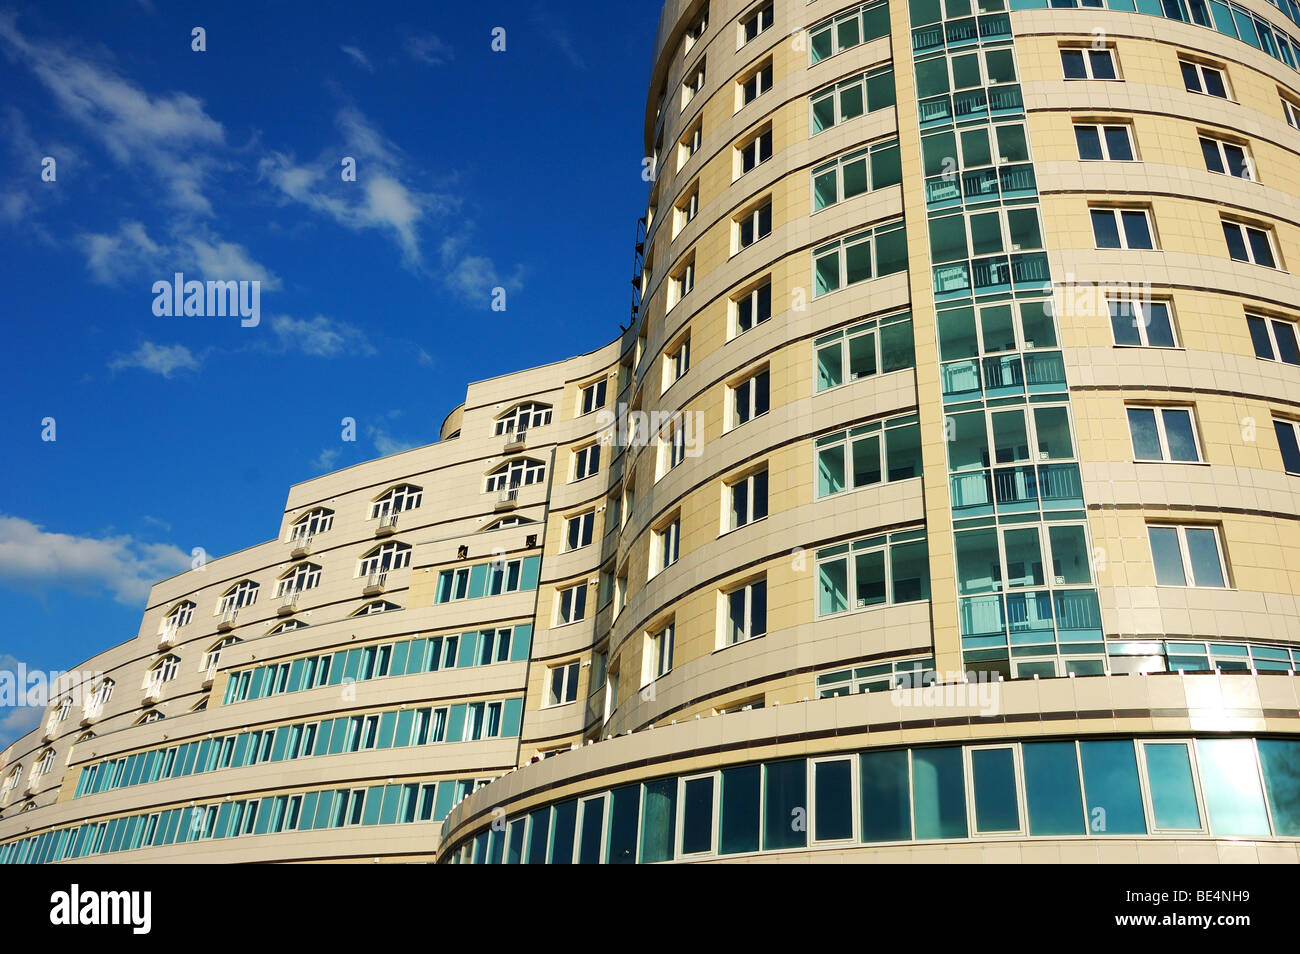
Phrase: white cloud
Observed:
(387, 444)
(320, 337)
(171, 135)
(34, 559)
(160, 359)
(325, 462)
(358, 57)
(131, 252)
(428, 49)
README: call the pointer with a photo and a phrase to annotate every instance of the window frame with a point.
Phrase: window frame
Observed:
(746, 485)
(1189, 575)
(1142, 323)
(748, 387)
(1162, 437)
(1101, 128)
(1117, 215)
(1201, 69)
(748, 634)
(1244, 231)
(570, 604)
(1086, 58)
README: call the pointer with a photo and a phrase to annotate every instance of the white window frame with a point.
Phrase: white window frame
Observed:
(1142, 322)
(759, 79)
(686, 210)
(754, 298)
(677, 361)
(396, 500)
(1269, 321)
(672, 446)
(762, 20)
(665, 546)
(586, 462)
(1188, 575)
(580, 527)
(693, 83)
(388, 556)
(745, 391)
(682, 281)
(724, 611)
(690, 144)
(659, 648)
(522, 418)
(304, 576)
(1148, 804)
(568, 683)
(180, 615)
(1101, 127)
(1290, 111)
(1087, 52)
(752, 220)
(1159, 411)
(515, 473)
(754, 142)
(1295, 431)
(1117, 214)
(311, 523)
(591, 397)
(1201, 70)
(1222, 146)
(571, 604)
(744, 486)
(1245, 229)
(243, 593)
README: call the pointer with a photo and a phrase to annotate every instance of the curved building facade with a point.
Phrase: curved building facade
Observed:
(937, 505)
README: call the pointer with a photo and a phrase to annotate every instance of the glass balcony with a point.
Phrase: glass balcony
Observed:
(1060, 487)
(1045, 371)
(1078, 616)
(962, 32)
(1016, 489)
(971, 493)
(1004, 376)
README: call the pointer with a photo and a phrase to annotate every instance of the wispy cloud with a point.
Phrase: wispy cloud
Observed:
(358, 57)
(428, 49)
(165, 360)
(36, 560)
(171, 135)
(115, 257)
(325, 461)
(320, 337)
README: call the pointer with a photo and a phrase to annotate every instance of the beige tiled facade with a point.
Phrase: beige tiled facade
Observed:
(587, 692)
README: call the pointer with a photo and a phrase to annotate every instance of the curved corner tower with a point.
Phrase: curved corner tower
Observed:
(938, 504)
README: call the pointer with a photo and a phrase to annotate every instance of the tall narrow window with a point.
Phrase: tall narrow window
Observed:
(1288, 433)
(562, 684)
(750, 398)
(746, 612)
(753, 308)
(572, 604)
(754, 225)
(661, 651)
(746, 500)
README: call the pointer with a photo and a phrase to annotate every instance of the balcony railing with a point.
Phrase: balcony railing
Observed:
(387, 525)
(228, 618)
(375, 583)
(288, 602)
(167, 635)
(300, 545)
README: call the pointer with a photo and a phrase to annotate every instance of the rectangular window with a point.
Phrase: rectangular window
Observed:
(1287, 434)
(1280, 761)
(1227, 158)
(832, 799)
(1054, 803)
(1146, 324)
(871, 573)
(658, 820)
(1274, 339)
(785, 799)
(866, 23)
(1163, 433)
(860, 257)
(864, 350)
(698, 811)
(886, 796)
(753, 152)
(572, 604)
(667, 545)
(1081, 63)
(692, 84)
(755, 84)
(562, 684)
(1110, 142)
(1234, 798)
(1187, 555)
(746, 612)
(677, 361)
(753, 225)
(690, 144)
(858, 172)
(1122, 228)
(754, 24)
(1249, 243)
(1200, 78)
(681, 282)
(579, 529)
(661, 651)
(850, 98)
(739, 823)
(592, 397)
(686, 210)
(1174, 804)
(869, 454)
(746, 500)
(753, 308)
(1291, 112)
(672, 446)
(750, 398)
(586, 462)
(938, 793)
(1113, 793)
(993, 790)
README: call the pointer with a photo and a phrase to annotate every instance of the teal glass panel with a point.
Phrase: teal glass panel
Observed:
(1234, 799)
(659, 820)
(624, 810)
(833, 805)
(520, 642)
(785, 805)
(1110, 783)
(938, 793)
(993, 781)
(1280, 760)
(515, 841)
(564, 823)
(740, 800)
(886, 801)
(697, 815)
(593, 818)
(539, 832)
(1052, 789)
(1173, 794)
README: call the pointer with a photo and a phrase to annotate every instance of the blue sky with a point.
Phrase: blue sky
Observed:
(475, 170)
